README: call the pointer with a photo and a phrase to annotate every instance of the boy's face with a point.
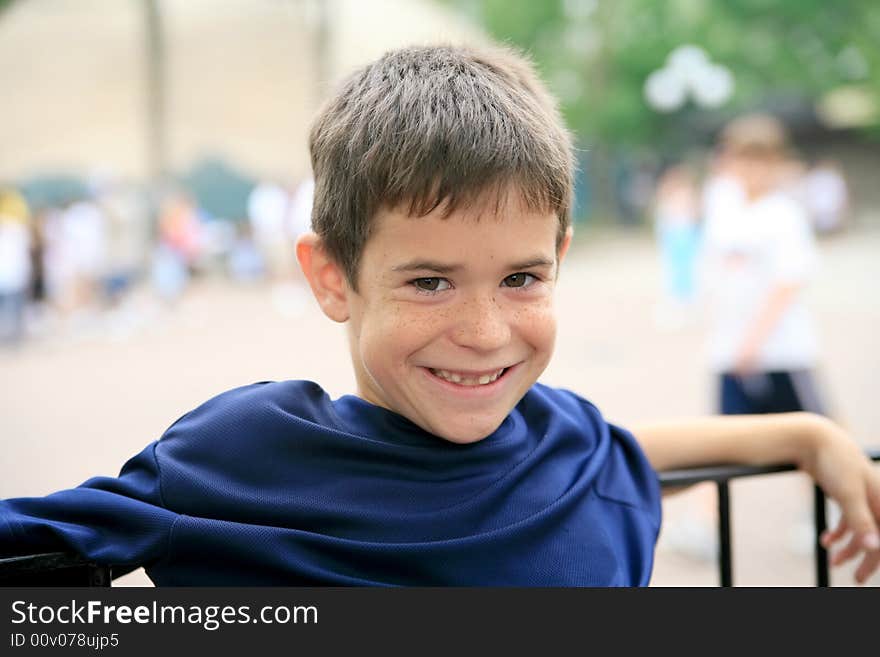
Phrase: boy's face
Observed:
(757, 173)
(453, 318)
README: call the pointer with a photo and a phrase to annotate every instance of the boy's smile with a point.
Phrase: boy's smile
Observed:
(453, 318)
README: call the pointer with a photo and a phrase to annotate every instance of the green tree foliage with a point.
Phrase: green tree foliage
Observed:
(597, 54)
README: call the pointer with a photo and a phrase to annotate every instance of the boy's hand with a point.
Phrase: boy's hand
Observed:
(840, 468)
(746, 361)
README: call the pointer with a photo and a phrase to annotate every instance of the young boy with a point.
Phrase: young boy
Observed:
(443, 184)
(759, 255)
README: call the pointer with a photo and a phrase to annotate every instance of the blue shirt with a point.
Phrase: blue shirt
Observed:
(277, 484)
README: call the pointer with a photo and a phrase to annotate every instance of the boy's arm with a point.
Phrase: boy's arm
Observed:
(768, 316)
(813, 443)
(792, 259)
(109, 520)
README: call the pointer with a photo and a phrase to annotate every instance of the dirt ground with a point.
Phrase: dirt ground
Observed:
(79, 400)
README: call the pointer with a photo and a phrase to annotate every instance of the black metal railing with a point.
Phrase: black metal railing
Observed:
(722, 475)
(53, 569)
(62, 569)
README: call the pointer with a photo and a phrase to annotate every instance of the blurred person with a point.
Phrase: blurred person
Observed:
(38, 309)
(58, 261)
(759, 256)
(13, 204)
(299, 222)
(677, 229)
(217, 239)
(127, 238)
(15, 264)
(176, 256)
(180, 228)
(449, 454)
(827, 196)
(38, 293)
(168, 273)
(244, 260)
(83, 241)
(279, 216)
(268, 207)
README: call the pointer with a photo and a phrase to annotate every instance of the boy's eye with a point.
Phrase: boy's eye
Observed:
(518, 280)
(432, 284)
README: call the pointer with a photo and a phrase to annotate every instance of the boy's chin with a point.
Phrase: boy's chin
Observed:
(466, 433)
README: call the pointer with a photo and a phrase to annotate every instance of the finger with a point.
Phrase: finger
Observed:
(848, 552)
(831, 536)
(868, 566)
(860, 518)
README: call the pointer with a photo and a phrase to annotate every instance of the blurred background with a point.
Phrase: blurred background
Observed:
(154, 175)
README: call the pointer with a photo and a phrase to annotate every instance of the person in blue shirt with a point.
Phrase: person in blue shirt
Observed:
(443, 181)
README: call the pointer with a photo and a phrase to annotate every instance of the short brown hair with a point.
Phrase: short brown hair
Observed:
(432, 126)
(756, 134)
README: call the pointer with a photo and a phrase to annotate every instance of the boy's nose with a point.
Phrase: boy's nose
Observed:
(481, 324)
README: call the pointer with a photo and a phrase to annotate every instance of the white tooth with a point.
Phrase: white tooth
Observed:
(466, 380)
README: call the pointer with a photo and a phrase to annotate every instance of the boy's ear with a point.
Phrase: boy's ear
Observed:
(563, 248)
(325, 277)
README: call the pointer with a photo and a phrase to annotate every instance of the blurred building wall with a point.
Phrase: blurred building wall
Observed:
(242, 79)
(72, 86)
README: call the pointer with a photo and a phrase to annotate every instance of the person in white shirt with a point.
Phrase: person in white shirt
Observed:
(15, 275)
(759, 255)
(84, 232)
(268, 205)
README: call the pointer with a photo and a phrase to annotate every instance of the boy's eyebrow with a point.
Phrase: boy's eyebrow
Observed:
(537, 261)
(430, 265)
(445, 268)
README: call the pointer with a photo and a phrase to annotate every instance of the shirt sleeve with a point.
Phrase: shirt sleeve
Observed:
(121, 520)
